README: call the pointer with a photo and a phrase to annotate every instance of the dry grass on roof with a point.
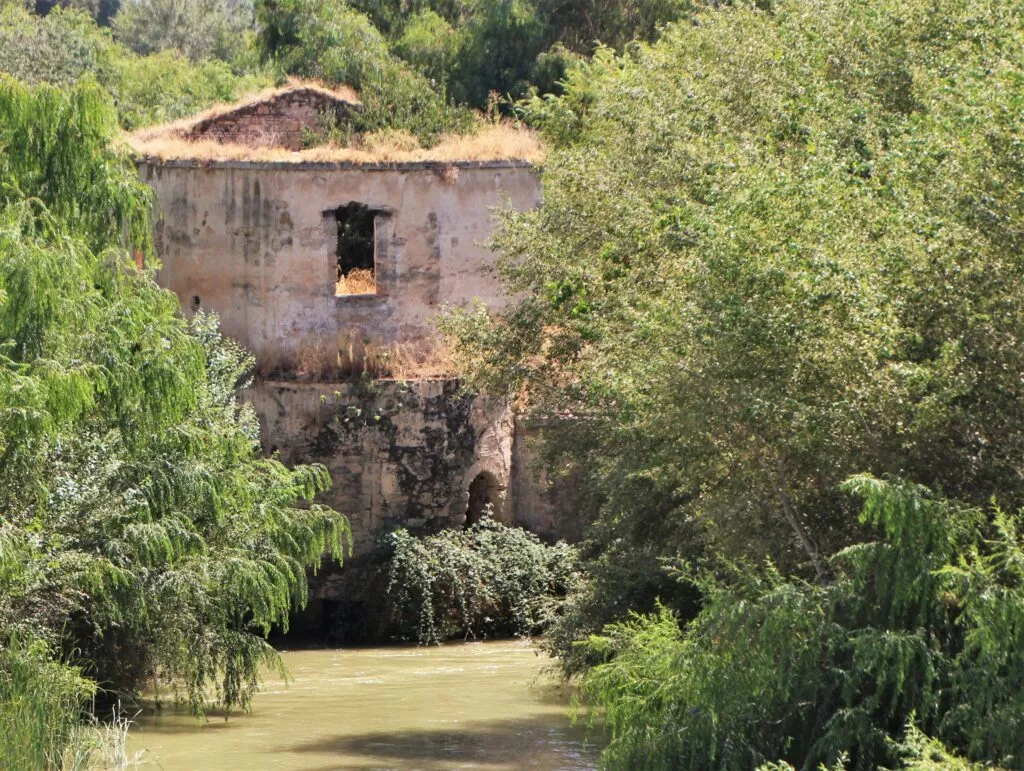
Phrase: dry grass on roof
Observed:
(178, 127)
(490, 142)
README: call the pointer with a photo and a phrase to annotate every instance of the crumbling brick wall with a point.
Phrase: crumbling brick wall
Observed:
(282, 120)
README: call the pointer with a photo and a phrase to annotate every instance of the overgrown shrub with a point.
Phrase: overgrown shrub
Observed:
(488, 580)
(924, 626)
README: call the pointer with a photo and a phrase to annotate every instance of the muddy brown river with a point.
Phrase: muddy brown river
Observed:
(482, 705)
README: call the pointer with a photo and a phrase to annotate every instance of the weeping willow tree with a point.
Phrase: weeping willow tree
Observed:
(139, 525)
(923, 627)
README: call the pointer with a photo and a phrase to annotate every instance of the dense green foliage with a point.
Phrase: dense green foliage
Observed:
(141, 528)
(803, 264)
(415, 63)
(484, 581)
(40, 701)
(66, 47)
(781, 245)
(779, 248)
(331, 42)
(199, 29)
(924, 625)
(472, 48)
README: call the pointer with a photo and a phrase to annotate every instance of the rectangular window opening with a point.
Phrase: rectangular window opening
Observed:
(357, 250)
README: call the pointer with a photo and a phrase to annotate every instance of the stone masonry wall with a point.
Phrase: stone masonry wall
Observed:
(256, 243)
(540, 501)
(280, 121)
(400, 454)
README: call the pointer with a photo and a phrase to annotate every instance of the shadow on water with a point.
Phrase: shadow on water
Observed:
(467, 705)
(519, 743)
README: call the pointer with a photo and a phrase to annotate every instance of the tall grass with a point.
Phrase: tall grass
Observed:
(41, 704)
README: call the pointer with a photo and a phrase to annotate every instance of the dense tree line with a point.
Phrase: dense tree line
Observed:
(781, 247)
(420, 67)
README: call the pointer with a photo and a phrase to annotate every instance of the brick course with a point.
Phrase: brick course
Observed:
(279, 121)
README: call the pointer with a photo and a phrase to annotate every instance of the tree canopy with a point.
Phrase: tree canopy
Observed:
(142, 529)
(778, 247)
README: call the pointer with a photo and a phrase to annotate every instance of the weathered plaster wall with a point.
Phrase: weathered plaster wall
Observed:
(399, 454)
(256, 242)
(278, 121)
(540, 501)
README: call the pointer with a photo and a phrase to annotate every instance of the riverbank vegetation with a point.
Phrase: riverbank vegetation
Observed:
(488, 580)
(143, 537)
(781, 248)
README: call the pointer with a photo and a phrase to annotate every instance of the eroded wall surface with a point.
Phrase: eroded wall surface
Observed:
(400, 454)
(539, 500)
(257, 243)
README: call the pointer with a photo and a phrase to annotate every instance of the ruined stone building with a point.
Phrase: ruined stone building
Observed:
(329, 269)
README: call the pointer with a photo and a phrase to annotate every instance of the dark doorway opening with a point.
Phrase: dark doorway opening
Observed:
(483, 497)
(357, 250)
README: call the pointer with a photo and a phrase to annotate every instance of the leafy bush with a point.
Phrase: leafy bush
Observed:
(200, 29)
(486, 580)
(776, 249)
(166, 86)
(334, 43)
(430, 44)
(923, 626)
(148, 533)
(57, 49)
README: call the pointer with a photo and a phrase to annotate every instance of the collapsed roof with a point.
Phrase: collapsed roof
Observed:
(279, 124)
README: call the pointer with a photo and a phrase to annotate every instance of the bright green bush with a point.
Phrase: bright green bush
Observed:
(488, 580)
(430, 45)
(923, 626)
(148, 533)
(332, 42)
(166, 86)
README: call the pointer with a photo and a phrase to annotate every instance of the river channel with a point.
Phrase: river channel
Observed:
(484, 705)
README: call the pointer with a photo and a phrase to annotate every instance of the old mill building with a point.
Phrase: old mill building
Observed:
(329, 265)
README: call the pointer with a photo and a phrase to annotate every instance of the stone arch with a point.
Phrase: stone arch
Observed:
(484, 491)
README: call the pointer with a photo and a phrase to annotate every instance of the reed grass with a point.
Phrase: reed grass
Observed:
(41, 703)
(352, 358)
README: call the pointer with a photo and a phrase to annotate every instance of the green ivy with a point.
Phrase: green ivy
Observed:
(487, 580)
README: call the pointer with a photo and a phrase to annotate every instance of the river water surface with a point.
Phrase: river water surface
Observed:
(479, 705)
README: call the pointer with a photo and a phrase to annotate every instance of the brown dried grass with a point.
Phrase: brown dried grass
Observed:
(490, 142)
(353, 358)
(356, 281)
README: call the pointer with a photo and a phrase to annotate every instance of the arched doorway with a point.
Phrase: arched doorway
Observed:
(484, 497)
